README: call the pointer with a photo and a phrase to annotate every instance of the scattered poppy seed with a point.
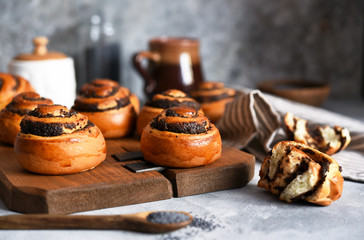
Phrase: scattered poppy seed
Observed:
(204, 224)
(167, 217)
(198, 225)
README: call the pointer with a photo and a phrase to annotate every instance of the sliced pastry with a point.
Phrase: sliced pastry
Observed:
(297, 172)
(329, 140)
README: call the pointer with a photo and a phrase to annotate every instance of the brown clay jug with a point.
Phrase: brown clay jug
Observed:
(174, 63)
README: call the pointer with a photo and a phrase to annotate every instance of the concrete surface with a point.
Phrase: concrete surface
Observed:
(244, 213)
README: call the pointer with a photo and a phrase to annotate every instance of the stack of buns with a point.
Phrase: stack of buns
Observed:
(108, 105)
(181, 137)
(50, 139)
(175, 132)
(56, 141)
(213, 96)
(161, 101)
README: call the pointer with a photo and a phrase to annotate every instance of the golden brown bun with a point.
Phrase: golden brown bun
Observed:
(133, 99)
(181, 137)
(161, 101)
(297, 172)
(213, 96)
(54, 141)
(111, 107)
(323, 138)
(10, 86)
(11, 116)
(145, 116)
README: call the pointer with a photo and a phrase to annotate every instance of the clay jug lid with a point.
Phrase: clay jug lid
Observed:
(40, 52)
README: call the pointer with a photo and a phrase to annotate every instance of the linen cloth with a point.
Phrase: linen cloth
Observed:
(253, 121)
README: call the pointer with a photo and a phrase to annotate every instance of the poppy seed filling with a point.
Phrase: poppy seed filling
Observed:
(33, 99)
(17, 82)
(213, 98)
(165, 103)
(180, 127)
(171, 113)
(86, 107)
(21, 112)
(93, 94)
(48, 129)
(63, 113)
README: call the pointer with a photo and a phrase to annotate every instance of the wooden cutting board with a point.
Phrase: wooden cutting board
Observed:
(110, 184)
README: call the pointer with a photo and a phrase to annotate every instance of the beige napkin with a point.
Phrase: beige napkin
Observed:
(254, 122)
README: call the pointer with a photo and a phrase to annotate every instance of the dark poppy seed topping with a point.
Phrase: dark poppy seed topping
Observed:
(181, 120)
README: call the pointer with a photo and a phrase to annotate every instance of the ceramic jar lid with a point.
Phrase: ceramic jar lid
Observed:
(40, 52)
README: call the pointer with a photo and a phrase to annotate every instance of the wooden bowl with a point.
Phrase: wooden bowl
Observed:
(308, 92)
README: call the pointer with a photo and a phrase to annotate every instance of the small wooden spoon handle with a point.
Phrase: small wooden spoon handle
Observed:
(43, 221)
(132, 222)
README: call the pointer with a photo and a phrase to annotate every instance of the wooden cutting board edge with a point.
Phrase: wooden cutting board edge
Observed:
(111, 193)
(67, 200)
(70, 200)
(234, 175)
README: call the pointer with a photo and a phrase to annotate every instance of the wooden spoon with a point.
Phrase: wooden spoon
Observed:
(133, 222)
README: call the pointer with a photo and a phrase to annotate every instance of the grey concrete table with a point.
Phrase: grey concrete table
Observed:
(244, 213)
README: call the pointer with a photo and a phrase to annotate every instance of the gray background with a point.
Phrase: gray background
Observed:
(242, 41)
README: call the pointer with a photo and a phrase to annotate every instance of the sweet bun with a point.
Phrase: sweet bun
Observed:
(213, 97)
(11, 116)
(109, 106)
(297, 172)
(323, 138)
(181, 137)
(10, 86)
(134, 100)
(55, 141)
(161, 101)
